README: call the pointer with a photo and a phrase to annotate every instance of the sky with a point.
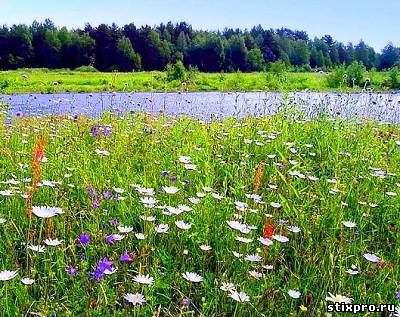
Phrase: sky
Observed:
(376, 22)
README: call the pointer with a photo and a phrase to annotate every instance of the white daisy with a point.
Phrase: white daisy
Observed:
(265, 241)
(227, 287)
(294, 294)
(125, 229)
(256, 275)
(205, 247)
(183, 225)
(102, 152)
(371, 257)
(349, 224)
(192, 277)
(352, 272)
(27, 281)
(37, 248)
(135, 299)
(239, 296)
(338, 298)
(194, 200)
(140, 236)
(144, 279)
(46, 212)
(170, 189)
(252, 258)
(2, 220)
(280, 238)
(243, 239)
(53, 242)
(294, 229)
(7, 275)
(162, 228)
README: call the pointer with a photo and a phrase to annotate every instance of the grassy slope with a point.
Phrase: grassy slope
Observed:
(42, 81)
(313, 261)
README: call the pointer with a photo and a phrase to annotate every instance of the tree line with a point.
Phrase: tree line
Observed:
(128, 48)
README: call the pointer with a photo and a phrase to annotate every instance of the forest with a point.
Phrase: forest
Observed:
(145, 48)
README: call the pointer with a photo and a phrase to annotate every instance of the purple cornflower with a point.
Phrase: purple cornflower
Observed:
(90, 191)
(173, 178)
(19, 114)
(165, 173)
(95, 205)
(7, 122)
(107, 195)
(185, 303)
(113, 222)
(125, 257)
(187, 182)
(71, 271)
(74, 117)
(95, 130)
(107, 132)
(102, 266)
(282, 222)
(357, 233)
(116, 197)
(110, 239)
(84, 238)
(398, 295)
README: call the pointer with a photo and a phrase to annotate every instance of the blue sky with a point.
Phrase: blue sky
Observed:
(374, 21)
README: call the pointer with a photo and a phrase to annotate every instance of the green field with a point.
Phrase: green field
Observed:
(330, 187)
(51, 81)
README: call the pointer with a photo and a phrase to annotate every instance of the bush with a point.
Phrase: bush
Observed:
(393, 82)
(355, 74)
(176, 71)
(338, 77)
(86, 69)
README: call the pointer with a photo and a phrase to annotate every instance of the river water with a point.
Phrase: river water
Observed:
(384, 107)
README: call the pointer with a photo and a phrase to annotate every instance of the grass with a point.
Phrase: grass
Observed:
(52, 81)
(227, 155)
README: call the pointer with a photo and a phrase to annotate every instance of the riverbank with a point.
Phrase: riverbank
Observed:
(53, 81)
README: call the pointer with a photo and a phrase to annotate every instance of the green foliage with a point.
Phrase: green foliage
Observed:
(356, 74)
(255, 60)
(176, 71)
(338, 77)
(393, 80)
(86, 69)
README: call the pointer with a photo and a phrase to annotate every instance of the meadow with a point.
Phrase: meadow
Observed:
(146, 215)
(52, 81)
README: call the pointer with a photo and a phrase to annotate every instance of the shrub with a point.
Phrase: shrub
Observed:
(355, 74)
(176, 71)
(393, 80)
(86, 69)
(338, 77)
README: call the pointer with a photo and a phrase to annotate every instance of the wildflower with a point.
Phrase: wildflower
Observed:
(37, 248)
(52, 242)
(256, 275)
(182, 225)
(110, 239)
(170, 190)
(144, 279)
(107, 195)
(253, 258)
(280, 238)
(303, 308)
(192, 277)
(339, 298)
(27, 281)
(185, 303)
(294, 294)
(294, 229)
(7, 275)
(71, 271)
(162, 228)
(140, 236)
(135, 299)
(398, 295)
(46, 212)
(244, 240)
(265, 241)
(84, 238)
(125, 257)
(349, 224)
(125, 229)
(352, 272)
(227, 287)
(95, 130)
(371, 257)
(2, 220)
(240, 297)
(102, 152)
(205, 247)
